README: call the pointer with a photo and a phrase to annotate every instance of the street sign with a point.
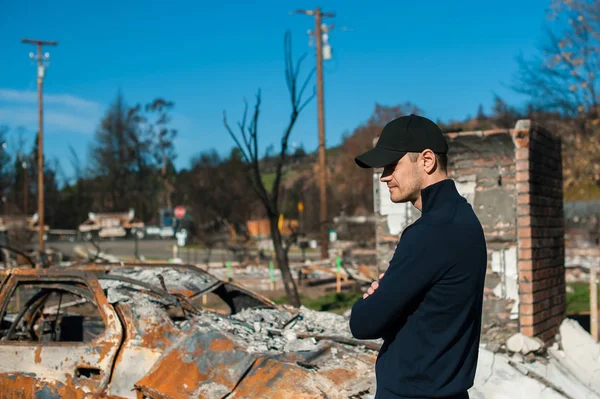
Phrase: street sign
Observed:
(179, 212)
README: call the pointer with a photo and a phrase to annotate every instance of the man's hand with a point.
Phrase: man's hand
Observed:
(373, 287)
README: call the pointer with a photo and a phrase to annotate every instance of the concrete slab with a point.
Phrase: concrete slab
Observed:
(580, 354)
(497, 379)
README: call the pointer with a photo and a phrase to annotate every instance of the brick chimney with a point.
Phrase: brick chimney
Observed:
(540, 231)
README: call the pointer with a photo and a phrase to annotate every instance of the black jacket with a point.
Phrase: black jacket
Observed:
(428, 305)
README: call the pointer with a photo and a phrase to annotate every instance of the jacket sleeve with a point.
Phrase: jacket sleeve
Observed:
(411, 270)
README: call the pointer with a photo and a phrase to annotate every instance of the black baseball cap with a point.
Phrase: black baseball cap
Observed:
(410, 133)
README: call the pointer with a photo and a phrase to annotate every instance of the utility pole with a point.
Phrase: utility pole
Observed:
(318, 33)
(4, 199)
(40, 57)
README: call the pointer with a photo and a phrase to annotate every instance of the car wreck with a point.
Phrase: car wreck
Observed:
(168, 331)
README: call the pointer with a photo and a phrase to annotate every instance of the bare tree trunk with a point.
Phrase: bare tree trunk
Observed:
(247, 143)
(167, 185)
(283, 263)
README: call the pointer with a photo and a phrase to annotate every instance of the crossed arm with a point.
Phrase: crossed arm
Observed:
(373, 287)
(411, 270)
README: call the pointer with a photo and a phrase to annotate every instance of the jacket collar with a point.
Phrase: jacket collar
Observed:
(437, 194)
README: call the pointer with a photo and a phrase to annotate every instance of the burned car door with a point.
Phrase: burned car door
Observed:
(3, 276)
(58, 335)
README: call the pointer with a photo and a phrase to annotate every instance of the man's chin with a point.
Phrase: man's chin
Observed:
(397, 200)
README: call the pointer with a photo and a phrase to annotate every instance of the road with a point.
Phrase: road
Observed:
(159, 250)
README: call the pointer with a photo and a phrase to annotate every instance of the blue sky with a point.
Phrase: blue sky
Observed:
(445, 57)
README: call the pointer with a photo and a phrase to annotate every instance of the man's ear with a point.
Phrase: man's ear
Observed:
(429, 161)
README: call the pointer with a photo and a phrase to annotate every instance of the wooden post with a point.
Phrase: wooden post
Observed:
(594, 303)
(338, 277)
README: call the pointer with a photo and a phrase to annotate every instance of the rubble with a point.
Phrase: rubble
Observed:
(306, 323)
(97, 256)
(569, 369)
(150, 339)
(521, 343)
(324, 369)
(311, 273)
(580, 272)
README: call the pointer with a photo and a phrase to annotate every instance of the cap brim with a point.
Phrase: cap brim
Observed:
(378, 158)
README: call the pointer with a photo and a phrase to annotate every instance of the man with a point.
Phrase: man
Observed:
(427, 306)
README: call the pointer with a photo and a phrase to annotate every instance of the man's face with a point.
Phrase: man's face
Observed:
(403, 179)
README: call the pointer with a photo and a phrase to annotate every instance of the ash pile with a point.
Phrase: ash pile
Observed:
(254, 349)
(315, 350)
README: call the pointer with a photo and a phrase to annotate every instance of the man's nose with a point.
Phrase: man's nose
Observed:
(385, 177)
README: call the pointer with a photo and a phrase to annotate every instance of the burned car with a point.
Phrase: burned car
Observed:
(168, 331)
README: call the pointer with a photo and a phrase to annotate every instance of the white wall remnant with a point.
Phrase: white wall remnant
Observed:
(465, 185)
(399, 216)
(504, 263)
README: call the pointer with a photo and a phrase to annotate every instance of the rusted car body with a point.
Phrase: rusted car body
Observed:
(133, 331)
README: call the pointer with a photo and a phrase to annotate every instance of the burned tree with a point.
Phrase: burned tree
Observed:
(247, 142)
(130, 147)
(113, 156)
(162, 136)
(563, 78)
(563, 84)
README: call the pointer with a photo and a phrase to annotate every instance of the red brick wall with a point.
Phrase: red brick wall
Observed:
(540, 232)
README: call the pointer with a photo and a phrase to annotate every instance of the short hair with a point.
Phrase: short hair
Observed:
(442, 159)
